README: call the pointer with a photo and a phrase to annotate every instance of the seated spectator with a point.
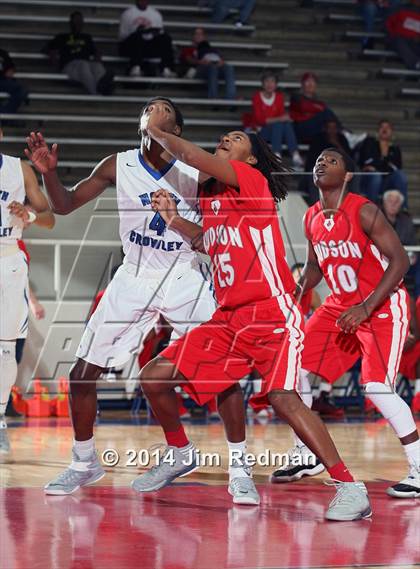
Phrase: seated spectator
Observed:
(221, 9)
(402, 222)
(383, 161)
(142, 38)
(271, 118)
(77, 57)
(403, 27)
(17, 93)
(400, 219)
(205, 62)
(371, 11)
(331, 137)
(307, 111)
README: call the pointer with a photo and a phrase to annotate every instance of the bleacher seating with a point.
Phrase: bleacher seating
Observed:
(292, 46)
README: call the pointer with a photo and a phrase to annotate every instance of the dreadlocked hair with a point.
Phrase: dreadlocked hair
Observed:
(270, 166)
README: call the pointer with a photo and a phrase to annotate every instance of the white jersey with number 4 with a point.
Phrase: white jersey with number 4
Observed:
(12, 188)
(146, 239)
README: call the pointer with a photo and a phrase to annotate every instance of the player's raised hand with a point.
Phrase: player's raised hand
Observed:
(42, 157)
(164, 204)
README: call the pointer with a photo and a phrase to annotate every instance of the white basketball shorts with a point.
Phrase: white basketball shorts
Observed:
(14, 294)
(132, 303)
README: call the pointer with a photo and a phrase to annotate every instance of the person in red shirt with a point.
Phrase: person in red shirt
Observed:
(403, 27)
(258, 324)
(309, 113)
(271, 118)
(352, 245)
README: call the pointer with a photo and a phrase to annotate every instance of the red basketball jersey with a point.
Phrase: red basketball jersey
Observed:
(349, 260)
(242, 236)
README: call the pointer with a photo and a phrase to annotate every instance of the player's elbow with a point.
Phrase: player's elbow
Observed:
(401, 262)
(50, 221)
(61, 209)
(406, 262)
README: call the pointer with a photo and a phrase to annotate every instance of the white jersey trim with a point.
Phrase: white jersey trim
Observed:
(264, 245)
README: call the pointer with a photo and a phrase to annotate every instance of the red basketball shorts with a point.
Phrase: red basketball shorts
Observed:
(266, 336)
(329, 352)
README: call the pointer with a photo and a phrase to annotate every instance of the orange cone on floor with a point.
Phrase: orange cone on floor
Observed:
(62, 408)
(39, 404)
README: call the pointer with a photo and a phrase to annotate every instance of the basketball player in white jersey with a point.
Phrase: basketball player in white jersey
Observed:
(21, 203)
(161, 273)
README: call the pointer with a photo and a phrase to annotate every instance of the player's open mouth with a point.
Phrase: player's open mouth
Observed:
(222, 147)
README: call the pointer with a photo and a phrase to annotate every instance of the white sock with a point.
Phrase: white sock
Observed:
(325, 387)
(8, 371)
(186, 449)
(417, 386)
(305, 392)
(237, 453)
(412, 451)
(84, 449)
(393, 408)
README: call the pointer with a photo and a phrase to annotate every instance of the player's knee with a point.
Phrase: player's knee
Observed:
(376, 387)
(157, 376)
(284, 402)
(83, 377)
(7, 350)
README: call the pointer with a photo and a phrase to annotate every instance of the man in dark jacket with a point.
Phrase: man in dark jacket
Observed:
(403, 224)
(77, 57)
(381, 161)
(17, 93)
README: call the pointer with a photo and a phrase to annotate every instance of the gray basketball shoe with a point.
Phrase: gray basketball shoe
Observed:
(4, 438)
(79, 473)
(351, 502)
(172, 464)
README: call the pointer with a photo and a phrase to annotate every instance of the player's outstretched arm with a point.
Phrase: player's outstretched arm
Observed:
(37, 209)
(163, 203)
(65, 201)
(311, 273)
(376, 226)
(209, 164)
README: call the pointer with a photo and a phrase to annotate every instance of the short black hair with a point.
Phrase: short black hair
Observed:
(349, 163)
(179, 118)
(268, 74)
(76, 13)
(382, 121)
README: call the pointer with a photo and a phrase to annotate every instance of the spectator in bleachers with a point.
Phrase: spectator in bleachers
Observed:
(221, 9)
(271, 118)
(403, 27)
(205, 62)
(77, 57)
(142, 38)
(383, 160)
(17, 93)
(331, 137)
(402, 222)
(372, 11)
(307, 111)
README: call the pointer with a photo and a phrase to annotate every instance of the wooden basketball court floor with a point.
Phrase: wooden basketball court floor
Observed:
(193, 524)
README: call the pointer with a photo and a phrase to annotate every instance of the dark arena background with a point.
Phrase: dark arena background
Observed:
(307, 75)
